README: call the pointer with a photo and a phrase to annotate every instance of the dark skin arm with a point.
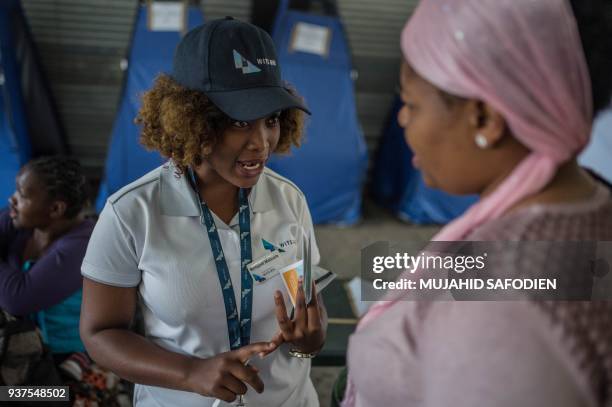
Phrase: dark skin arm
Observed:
(106, 316)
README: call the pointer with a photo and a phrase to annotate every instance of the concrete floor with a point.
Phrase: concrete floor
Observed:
(323, 379)
(340, 249)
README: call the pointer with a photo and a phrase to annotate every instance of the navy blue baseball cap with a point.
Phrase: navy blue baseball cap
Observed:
(234, 63)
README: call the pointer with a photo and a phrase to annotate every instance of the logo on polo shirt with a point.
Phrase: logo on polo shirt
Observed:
(259, 278)
(244, 64)
(286, 243)
(270, 247)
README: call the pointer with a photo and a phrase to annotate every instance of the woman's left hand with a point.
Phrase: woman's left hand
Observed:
(306, 330)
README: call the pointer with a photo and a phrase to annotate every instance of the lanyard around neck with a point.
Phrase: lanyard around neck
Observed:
(238, 326)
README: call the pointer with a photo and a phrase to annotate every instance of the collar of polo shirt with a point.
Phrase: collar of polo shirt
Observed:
(177, 198)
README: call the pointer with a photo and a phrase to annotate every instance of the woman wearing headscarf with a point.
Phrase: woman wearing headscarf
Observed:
(498, 102)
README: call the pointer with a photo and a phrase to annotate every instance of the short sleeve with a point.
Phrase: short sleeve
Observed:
(111, 255)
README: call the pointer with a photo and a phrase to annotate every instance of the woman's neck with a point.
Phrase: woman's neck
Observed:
(220, 195)
(44, 237)
(570, 184)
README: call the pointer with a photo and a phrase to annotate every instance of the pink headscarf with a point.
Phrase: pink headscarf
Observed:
(524, 58)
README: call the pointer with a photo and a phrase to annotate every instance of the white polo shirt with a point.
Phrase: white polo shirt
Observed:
(149, 235)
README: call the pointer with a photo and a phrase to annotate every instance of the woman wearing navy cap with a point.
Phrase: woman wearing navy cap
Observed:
(179, 242)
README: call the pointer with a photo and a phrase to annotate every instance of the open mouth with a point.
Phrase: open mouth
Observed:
(251, 165)
(250, 168)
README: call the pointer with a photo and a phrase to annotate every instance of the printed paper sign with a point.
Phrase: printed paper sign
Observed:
(166, 16)
(311, 38)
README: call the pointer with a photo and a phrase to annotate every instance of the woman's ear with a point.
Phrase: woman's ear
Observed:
(489, 125)
(58, 209)
(206, 148)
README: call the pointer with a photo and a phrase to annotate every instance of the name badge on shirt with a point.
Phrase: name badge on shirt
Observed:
(266, 267)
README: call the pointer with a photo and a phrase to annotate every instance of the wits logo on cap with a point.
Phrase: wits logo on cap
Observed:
(244, 64)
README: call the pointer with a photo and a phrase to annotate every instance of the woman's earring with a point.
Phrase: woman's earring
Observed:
(206, 151)
(481, 141)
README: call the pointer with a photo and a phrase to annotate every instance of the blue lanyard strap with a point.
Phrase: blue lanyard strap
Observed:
(238, 327)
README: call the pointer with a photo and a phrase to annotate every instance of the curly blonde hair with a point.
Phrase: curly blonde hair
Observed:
(180, 122)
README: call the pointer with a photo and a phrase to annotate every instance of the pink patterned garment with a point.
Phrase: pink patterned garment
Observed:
(495, 354)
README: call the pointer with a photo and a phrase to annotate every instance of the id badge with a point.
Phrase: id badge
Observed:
(266, 267)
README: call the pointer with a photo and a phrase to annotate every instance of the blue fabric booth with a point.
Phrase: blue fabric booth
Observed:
(597, 156)
(330, 165)
(397, 185)
(151, 54)
(29, 125)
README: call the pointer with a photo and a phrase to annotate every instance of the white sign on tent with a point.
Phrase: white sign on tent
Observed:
(311, 38)
(167, 16)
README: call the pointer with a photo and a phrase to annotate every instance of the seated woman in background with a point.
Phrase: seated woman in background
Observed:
(43, 237)
(498, 101)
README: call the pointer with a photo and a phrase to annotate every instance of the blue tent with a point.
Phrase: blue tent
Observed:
(330, 165)
(29, 125)
(598, 154)
(397, 185)
(151, 53)
(10, 153)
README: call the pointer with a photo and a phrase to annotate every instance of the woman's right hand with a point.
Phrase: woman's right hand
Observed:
(225, 376)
